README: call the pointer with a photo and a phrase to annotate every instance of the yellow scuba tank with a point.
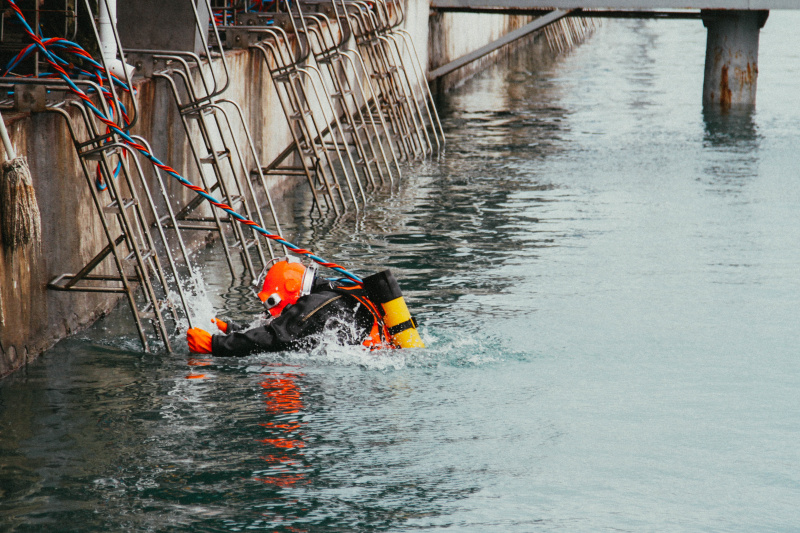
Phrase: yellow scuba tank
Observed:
(384, 291)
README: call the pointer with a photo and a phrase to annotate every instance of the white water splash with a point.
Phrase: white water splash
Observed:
(443, 348)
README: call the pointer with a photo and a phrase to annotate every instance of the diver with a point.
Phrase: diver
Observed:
(301, 309)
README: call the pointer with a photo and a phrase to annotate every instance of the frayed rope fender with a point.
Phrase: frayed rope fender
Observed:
(51, 59)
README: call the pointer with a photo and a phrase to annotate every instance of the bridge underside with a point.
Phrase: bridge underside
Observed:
(731, 67)
(629, 5)
(595, 13)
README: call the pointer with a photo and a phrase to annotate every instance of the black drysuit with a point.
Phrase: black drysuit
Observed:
(300, 326)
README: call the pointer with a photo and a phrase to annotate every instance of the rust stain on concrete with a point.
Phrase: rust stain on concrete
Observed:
(746, 77)
(724, 89)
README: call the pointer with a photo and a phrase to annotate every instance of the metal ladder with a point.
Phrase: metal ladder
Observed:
(135, 255)
(330, 112)
(125, 207)
(317, 133)
(369, 27)
(309, 136)
(376, 29)
(217, 154)
(122, 213)
(398, 34)
(341, 66)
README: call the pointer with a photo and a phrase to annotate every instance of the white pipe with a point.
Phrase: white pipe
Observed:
(108, 41)
(108, 21)
(10, 153)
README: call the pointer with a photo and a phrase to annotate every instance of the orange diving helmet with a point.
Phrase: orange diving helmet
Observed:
(282, 282)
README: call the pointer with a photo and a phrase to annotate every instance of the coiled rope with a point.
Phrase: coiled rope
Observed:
(112, 126)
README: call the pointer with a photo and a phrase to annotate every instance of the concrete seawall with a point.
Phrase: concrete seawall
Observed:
(33, 318)
(453, 35)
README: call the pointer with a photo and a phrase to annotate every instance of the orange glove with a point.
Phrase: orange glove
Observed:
(199, 340)
(223, 326)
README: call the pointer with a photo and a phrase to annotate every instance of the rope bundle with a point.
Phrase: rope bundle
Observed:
(19, 212)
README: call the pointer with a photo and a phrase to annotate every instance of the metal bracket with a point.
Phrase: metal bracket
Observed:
(245, 33)
(237, 37)
(145, 65)
(30, 98)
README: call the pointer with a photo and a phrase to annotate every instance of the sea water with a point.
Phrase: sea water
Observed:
(606, 277)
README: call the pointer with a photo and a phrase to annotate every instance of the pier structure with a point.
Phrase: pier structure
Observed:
(250, 109)
(731, 66)
(332, 97)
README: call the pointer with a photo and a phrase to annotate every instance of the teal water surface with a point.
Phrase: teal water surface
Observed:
(608, 282)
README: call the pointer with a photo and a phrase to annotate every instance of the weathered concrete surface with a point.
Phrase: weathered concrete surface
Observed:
(33, 318)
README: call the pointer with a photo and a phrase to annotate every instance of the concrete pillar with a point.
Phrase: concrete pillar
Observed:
(731, 57)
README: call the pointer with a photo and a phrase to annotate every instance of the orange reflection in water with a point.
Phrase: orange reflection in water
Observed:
(283, 433)
(197, 362)
(283, 394)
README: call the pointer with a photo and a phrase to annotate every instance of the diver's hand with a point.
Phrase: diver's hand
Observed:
(199, 340)
(223, 326)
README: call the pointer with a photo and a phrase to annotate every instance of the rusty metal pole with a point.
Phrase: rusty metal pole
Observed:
(731, 69)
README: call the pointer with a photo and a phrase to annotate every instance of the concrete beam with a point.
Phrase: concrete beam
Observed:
(159, 25)
(743, 5)
(509, 38)
(731, 70)
(581, 13)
